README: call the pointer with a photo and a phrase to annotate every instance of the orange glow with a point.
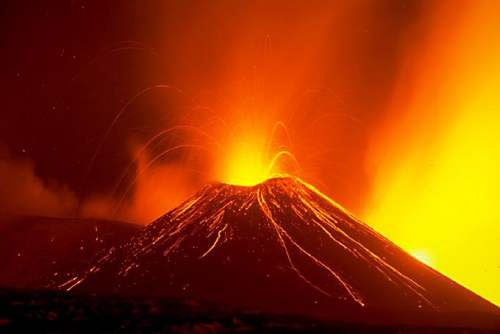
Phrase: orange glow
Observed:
(245, 163)
(252, 159)
(436, 168)
(433, 163)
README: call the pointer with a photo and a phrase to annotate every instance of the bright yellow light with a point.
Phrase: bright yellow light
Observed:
(422, 256)
(245, 164)
(437, 170)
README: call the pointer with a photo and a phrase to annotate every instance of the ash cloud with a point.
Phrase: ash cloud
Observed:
(23, 192)
(156, 190)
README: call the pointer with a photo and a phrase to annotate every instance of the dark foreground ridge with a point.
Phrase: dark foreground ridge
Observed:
(59, 312)
(279, 247)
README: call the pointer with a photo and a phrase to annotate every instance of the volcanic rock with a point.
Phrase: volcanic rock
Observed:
(37, 250)
(280, 246)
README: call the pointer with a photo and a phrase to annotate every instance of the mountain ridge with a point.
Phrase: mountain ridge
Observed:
(280, 246)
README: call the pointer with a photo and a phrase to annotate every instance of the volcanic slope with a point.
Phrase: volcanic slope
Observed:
(280, 246)
(36, 250)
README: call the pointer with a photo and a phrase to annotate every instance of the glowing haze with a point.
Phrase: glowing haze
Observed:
(432, 165)
(246, 163)
(436, 159)
(391, 108)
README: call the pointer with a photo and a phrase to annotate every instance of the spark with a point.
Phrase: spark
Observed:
(120, 113)
(215, 242)
(151, 163)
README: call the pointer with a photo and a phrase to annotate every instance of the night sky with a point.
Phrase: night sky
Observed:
(70, 66)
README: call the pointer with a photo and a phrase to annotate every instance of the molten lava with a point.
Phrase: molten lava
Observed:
(251, 158)
(278, 246)
(246, 165)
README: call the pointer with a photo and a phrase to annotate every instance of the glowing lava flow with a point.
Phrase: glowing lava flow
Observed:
(281, 240)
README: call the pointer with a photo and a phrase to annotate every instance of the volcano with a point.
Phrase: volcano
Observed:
(279, 246)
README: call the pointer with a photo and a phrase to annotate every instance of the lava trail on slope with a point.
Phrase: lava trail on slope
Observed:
(34, 249)
(279, 246)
